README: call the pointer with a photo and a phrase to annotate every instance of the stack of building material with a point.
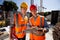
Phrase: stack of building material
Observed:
(56, 32)
(3, 35)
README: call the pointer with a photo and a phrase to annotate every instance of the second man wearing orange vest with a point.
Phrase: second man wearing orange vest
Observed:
(37, 21)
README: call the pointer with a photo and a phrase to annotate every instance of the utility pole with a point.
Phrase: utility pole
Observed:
(41, 5)
(32, 2)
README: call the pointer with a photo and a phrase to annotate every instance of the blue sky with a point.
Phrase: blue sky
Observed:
(1, 1)
(49, 4)
(20, 1)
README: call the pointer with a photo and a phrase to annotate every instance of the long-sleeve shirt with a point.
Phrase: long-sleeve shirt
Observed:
(45, 24)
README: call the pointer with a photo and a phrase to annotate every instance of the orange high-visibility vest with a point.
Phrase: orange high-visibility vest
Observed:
(20, 28)
(36, 22)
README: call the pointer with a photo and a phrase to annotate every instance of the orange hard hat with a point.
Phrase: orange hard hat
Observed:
(33, 7)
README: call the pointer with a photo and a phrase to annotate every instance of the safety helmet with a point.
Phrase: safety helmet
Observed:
(33, 7)
(24, 5)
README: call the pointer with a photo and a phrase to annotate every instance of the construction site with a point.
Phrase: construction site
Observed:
(19, 20)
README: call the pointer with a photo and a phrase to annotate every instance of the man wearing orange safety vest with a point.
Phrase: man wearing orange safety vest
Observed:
(37, 21)
(22, 20)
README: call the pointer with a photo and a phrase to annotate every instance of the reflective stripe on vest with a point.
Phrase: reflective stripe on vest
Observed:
(42, 21)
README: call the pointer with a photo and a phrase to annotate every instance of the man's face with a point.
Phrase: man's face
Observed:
(33, 12)
(23, 10)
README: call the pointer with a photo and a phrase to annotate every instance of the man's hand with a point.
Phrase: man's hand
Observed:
(44, 30)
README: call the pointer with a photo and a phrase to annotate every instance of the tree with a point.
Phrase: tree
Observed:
(9, 6)
(46, 13)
